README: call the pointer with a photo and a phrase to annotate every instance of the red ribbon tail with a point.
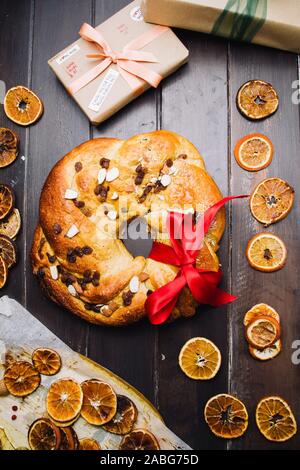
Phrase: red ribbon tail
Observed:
(220, 297)
(204, 287)
(160, 303)
(211, 212)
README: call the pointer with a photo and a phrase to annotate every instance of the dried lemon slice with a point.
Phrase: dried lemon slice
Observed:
(200, 359)
(7, 200)
(266, 252)
(44, 435)
(9, 143)
(125, 417)
(88, 444)
(254, 152)
(99, 402)
(262, 332)
(64, 400)
(258, 310)
(22, 106)
(226, 416)
(140, 439)
(257, 99)
(271, 200)
(275, 419)
(8, 251)
(21, 379)
(267, 353)
(11, 225)
(46, 361)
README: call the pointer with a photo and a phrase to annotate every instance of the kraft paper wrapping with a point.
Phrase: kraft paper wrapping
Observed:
(273, 23)
(19, 343)
(110, 91)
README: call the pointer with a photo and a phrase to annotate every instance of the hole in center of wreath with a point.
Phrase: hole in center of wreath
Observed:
(136, 237)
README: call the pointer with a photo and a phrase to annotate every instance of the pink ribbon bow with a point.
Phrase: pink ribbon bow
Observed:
(128, 60)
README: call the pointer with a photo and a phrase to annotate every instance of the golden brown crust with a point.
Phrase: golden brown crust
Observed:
(106, 256)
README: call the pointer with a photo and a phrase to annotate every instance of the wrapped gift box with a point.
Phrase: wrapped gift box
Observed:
(271, 23)
(128, 41)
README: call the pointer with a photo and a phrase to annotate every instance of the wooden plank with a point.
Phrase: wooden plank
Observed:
(62, 127)
(194, 104)
(130, 351)
(252, 380)
(15, 50)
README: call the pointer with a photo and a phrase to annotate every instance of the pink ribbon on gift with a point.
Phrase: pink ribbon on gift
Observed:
(128, 60)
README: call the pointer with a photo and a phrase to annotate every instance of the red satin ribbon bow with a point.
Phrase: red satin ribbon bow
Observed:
(203, 284)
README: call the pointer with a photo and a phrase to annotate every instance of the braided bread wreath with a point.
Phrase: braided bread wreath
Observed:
(93, 190)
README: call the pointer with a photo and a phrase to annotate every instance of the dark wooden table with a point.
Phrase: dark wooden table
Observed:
(198, 102)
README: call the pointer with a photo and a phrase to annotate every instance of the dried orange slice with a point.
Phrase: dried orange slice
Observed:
(200, 359)
(140, 439)
(267, 353)
(99, 402)
(262, 332)
(8, 251)
(69, 439)
(64, 400)
(226, 416)
(11, 225)
(125, 417)
(271, 200)
(257, 99)
(21, 379)
(258, 310)
(46, 361)
(7, 200)
(266, 252)
(75, 437)
(3, 390)
(88, 444)
(207, 258)
(3, 273)
(275, 419)
(9, 143)
(22, 106)
(43, 435)
(254, 152)
(65, 424)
